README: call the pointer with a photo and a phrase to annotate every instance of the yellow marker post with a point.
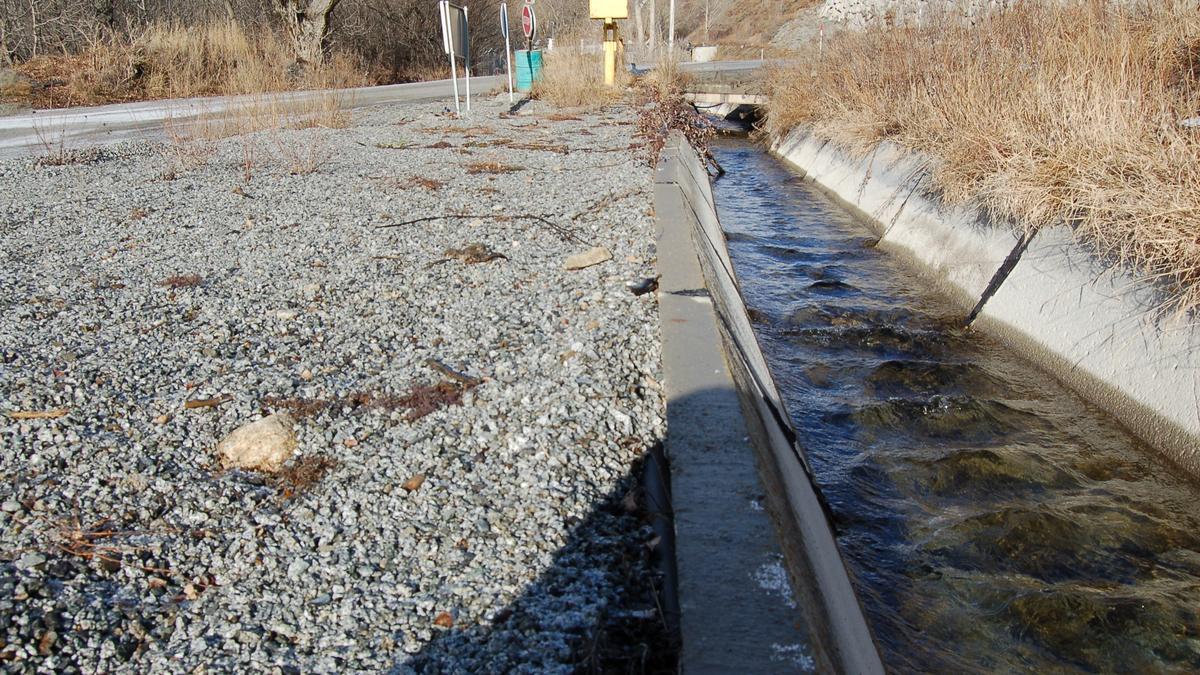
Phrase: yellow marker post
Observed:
(609, 11)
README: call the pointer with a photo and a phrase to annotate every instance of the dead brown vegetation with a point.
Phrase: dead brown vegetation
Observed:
(182, 281)
(1044, 115)
(169, 60)
(419, 401)
(572, 78)
(492, 168)
(300, 475)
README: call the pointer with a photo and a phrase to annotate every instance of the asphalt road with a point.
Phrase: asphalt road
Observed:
(42, 130)
(47, 130)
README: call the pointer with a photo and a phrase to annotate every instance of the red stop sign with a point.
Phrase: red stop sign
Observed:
(528, 22)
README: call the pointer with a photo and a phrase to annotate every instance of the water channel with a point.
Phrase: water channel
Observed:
(991, 519)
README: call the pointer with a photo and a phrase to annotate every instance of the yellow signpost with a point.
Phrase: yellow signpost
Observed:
(609, 11)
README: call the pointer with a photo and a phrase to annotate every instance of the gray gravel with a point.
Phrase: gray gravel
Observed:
(124, 545)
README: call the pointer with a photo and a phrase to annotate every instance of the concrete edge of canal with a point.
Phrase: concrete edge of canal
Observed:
(1094, 327)
(729, 439)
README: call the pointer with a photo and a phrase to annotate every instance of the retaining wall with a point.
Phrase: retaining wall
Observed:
(839, 634)
(1094, 327)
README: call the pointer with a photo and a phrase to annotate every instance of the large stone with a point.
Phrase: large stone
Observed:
(592, 256)
(260, 446)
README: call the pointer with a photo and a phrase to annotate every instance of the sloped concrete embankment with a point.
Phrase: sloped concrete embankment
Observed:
(709, 347)
(1095, 327)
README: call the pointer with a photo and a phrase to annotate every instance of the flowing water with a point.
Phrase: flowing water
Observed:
(992, 520)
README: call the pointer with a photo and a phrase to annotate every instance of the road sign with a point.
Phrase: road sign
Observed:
(528, 22)
(454, 30)
(456, 42)
(504, 19)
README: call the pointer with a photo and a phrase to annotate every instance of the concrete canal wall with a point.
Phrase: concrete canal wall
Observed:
(712, 361)
(1094, 327)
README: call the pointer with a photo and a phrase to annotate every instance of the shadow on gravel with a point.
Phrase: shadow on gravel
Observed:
(597, 609)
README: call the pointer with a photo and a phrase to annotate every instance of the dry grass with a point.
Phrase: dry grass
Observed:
(573, 79)
(1042, 115)
(492, 168)
(182, 281)
(175, 61)
(302, 474)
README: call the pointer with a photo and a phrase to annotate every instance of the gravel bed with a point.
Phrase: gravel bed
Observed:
(137, 278)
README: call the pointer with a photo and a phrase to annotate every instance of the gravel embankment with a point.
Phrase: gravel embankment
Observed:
(138, 281)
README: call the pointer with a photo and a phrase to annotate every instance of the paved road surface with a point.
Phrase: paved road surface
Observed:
(78, 127)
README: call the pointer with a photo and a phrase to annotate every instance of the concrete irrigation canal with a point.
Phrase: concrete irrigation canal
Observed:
(990, 519)
(500, 450)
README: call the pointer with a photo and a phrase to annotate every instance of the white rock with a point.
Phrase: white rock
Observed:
(261, 446)
(593, 256)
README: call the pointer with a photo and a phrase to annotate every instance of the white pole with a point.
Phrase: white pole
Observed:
(467, 60)
(454, 79)
(448, 43)
(671, 32)
(508, 60)
(507, 50)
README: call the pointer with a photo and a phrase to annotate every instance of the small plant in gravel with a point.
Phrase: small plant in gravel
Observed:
(420, 400)
(428, 183)
(100, 542)
(302, 474)
(475, 168)
(182, 281)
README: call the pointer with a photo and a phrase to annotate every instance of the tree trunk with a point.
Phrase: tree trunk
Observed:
(654, 27)
(305, 22)
(639, 30)
(5, 54)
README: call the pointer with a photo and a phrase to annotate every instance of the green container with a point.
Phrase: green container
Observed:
(529, 68)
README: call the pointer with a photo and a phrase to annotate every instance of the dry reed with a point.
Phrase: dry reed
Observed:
(169, 60)
(572, 78)
(1041, 114)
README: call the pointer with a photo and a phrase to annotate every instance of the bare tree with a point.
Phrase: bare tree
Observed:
(306, 24)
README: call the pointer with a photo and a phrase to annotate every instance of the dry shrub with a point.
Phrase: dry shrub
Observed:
(428, 183)
(182, 281)
(1040, 114)
(572, 78)
(663, 110)
(302, 474)
(420, 400)
(169, 60)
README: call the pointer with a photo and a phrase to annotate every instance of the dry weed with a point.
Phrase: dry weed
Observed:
(169, 60)
(303, 473)
(492, 168)
(575, 79)
(182, 281)
(1042, 114)
(428, 183)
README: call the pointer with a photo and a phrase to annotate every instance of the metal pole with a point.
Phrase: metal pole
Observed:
(454, 79)
(447, 37)
(467, 59)
(610, 52)
(507, 51)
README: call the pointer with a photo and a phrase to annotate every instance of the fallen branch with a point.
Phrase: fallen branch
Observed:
(38, 414)
(611, 198)
(561, 231)
(452, 374)
(207, 402)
